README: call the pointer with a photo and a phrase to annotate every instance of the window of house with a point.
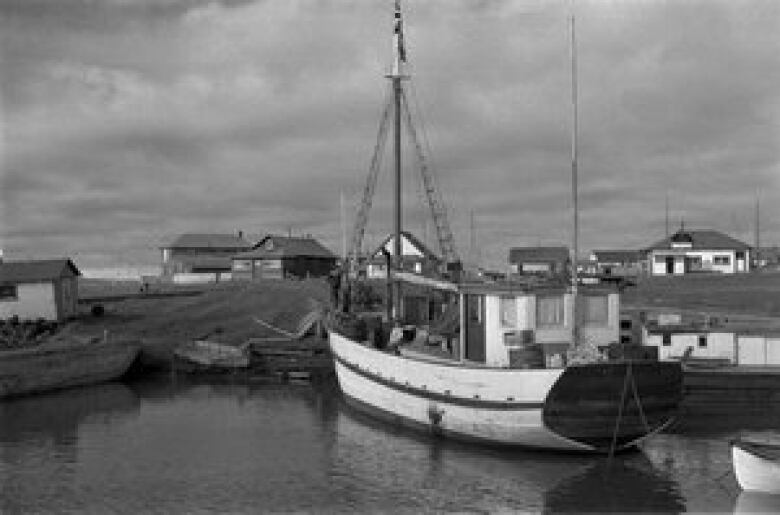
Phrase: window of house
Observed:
(660, 259)
(594, 309)
(8, 292)
(625, 339)
(549, 311)
(721, 260)
(508, 308)
(702, 340)
(625, 324)
(666, 339)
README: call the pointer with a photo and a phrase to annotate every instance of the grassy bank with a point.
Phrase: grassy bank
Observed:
(223, 312)
(753, 294)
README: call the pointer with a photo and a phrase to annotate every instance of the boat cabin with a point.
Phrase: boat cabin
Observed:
(534, 327)
(518, 325)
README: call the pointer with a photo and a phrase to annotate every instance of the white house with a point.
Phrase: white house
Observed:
(45, 289)
(698, 251)
(415, 256)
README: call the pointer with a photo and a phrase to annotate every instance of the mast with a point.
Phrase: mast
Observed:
(575, 214)
(757, 235)
(399, 58)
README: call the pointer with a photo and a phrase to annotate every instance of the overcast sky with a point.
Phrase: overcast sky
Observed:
(128, 122)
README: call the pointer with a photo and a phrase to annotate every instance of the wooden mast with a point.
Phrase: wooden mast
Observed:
(575, 214)
(399, 57)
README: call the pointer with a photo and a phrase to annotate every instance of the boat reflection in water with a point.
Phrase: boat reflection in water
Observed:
(627, 484)
(757, 502)
(412, 471)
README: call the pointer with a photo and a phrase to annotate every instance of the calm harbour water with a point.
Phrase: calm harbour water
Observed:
(168, 445)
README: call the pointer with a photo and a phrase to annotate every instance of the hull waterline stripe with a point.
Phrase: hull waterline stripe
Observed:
(436, 396)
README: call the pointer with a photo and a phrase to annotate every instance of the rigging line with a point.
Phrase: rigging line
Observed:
(639, 403)
(620, 412)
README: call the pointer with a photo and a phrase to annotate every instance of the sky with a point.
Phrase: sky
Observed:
(128, 122)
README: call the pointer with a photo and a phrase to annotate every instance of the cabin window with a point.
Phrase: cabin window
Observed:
(595, 310)
(721, 260)
(8, 292)
(702, 340)
(549, 311)
(508, 311)
(666, 339)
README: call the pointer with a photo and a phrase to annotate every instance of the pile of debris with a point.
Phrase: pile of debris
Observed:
(16, 333)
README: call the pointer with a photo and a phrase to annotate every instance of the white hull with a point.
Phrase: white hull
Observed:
(755, 473)
(499, 406)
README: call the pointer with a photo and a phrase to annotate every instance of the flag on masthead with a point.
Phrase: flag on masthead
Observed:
(398, 40)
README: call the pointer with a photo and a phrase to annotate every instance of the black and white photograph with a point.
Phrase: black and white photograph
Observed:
(389, 256)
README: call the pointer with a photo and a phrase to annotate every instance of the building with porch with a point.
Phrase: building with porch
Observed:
(282, 257)
(415, 257)
(539, 260)
(691, 251)
(195, 257)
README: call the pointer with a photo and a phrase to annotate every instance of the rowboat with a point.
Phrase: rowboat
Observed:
(64, 363)
(206, 355)
(756, 461)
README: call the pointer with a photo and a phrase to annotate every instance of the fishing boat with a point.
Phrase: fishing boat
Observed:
(508, 362)
(63, 364)
(756, 462)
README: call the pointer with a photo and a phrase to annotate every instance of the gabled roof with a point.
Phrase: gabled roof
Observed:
(209, 241)
(538, 254)
(36, 270)
(412, 239)
(701, 240)
(285, 246)
(617, 256)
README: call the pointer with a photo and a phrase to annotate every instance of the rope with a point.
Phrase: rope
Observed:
(613, 445)
(639, 404)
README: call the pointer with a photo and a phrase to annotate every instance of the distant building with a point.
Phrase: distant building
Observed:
(539, 260)
(45, 289)
(617, 262)
(698, 251)
(201, 257)
(415, 257)
(767, 258)
(280, 257)
(733, 345)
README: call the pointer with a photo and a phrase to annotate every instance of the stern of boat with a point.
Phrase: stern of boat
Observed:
(614, 405)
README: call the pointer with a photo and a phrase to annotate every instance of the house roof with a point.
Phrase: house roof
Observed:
(411, 238)
(701, 240)
(36, 270)
(617, 256)
(538, 254)
(209, 241)
(285, 246)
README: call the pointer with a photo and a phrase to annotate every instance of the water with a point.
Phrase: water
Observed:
(168, 445)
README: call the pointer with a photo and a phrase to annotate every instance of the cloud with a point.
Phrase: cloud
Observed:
(126, 123)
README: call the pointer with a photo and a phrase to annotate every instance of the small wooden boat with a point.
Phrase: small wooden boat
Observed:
(205, 355)
(63, 364)
(756, 461)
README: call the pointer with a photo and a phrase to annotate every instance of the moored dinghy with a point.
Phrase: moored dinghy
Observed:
(756, 461)
(506, 374)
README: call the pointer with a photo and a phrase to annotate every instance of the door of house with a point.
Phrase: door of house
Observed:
(475, 328)
(670, 265)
